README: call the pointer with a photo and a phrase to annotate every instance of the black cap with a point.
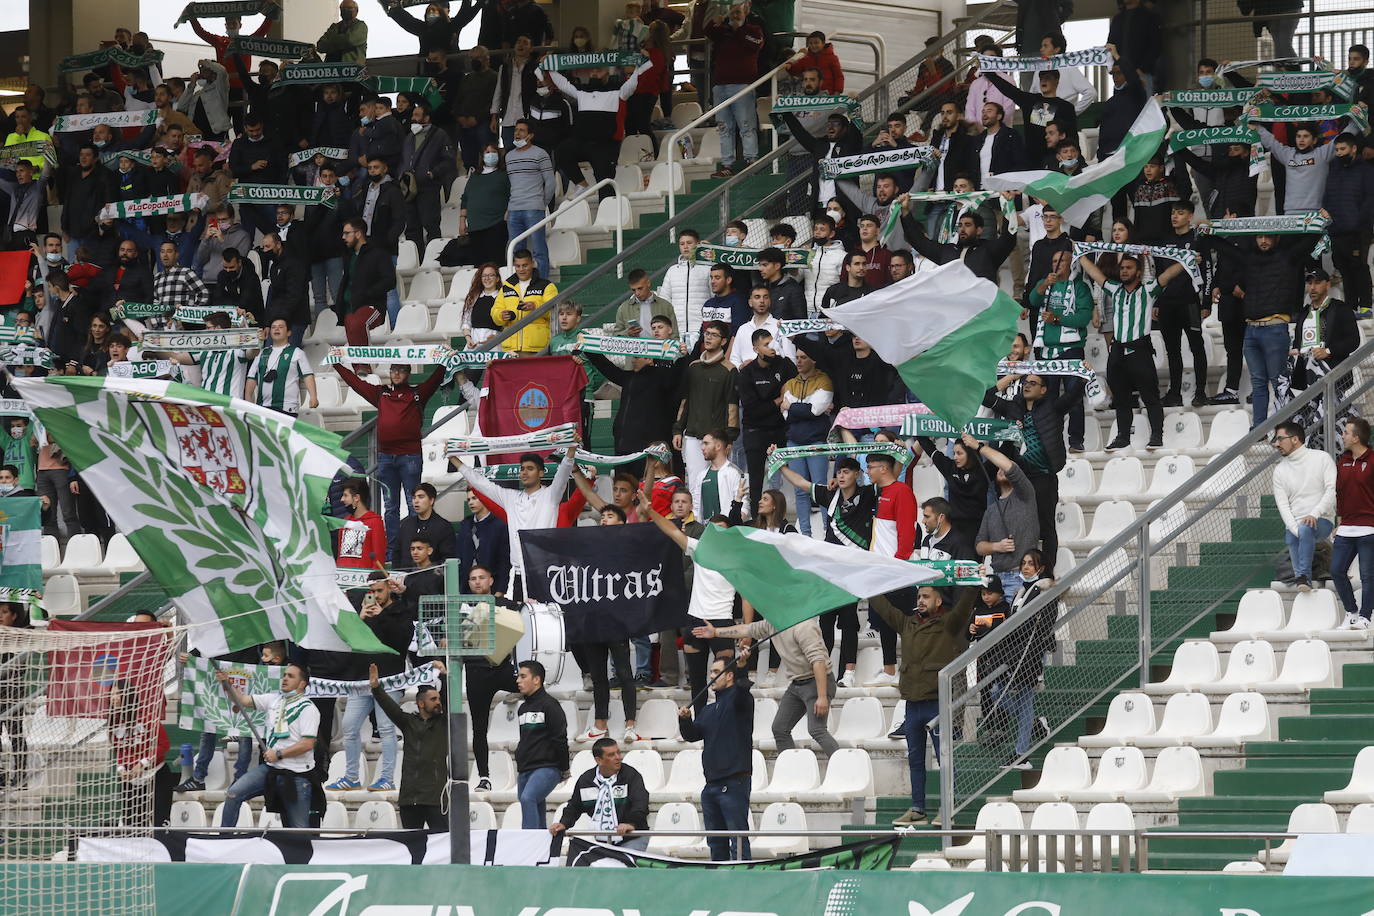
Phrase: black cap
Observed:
(994, 584)
(1318, 273)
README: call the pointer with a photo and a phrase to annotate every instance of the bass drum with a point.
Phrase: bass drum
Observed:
(545, 641)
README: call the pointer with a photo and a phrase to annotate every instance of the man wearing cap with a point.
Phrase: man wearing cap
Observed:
(1324, 332)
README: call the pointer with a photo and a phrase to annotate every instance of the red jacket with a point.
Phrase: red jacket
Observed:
(832, 74)
(221, 45)
(400, 411)
(1355, 489)
(356, 549)
(144, 742)
(657, 81)
(735, 53)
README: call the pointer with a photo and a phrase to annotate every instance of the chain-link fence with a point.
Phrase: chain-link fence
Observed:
(1125, 608)
(1216, 29)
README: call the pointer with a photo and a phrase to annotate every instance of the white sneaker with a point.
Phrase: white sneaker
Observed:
(846, 679)
(631, 736)
(1361, 623)
(590, 734)
(882, 679)
(1349, 622)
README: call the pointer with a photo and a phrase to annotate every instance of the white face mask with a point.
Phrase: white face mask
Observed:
(1069, 163)
(490, 159)
(732, 240)
(416, 128)
(836, 215)
(6, 489)
(521, 142)
(17, 432)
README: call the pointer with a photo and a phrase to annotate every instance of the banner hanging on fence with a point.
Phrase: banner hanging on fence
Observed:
(748, 258)
(612, 582)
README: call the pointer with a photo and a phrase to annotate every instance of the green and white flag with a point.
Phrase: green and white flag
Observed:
(1207, 98)
(1206, 136)
(336, 153)
(141, 156)
(953, 573)
(592, 59)
(748, 258)
(268, 47)
(1087, 57)
(191, 341)
(68, 123)
(944, 330)
(1076, 197)
(129, 309)
(780, 456)
(290, 194)
(646, 347)
(205, 705)
(222, 9)
(219, 497)
(808, 326)
(154, 206)
(314, 74)
(883, 160)
(28, 355)
(106, 56)
(790, 578)
(796, 104)
(990, 429)
(553, 437)
(21, 552)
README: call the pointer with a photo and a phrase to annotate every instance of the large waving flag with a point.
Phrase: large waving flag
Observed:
(792, 577)
(1077, 196)
(21, 549)
(945, 330)
(221, 500)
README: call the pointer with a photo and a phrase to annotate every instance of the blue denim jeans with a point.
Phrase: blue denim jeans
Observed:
(208, 740)
(643, 655)
(393, 300)
(325, 278)
(517, 221)
(740, 119)
(399, 475)
(725, 806)
(1302, 545)
(357, 710)
(533, 787)
(1011, 583)
(1266, 354)
(252, 784)
(815, 468)
(918, 713)
(1014, 705)
(1343, 552)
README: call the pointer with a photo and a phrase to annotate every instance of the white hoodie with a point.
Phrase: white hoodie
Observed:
(687, 286)
(1305, 484)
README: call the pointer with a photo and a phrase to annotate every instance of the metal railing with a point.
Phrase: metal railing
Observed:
(1192, 553)
(553, 217)
(1231, 36)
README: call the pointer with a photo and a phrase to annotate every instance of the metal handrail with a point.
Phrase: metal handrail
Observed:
(551, 217)
(1138, 533)
(701, 119)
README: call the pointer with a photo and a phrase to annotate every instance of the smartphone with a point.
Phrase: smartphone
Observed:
(213, 223)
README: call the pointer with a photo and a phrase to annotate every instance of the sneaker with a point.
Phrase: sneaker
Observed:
(1361, 622)
(382, 785)
(846, 679)
(613, 683)
(897, 734)
(1200, 400)
(1224, 397)
(587, 682)
(1347, 624)
(344, 784)
(630, 736)
(1119, 443)
(483, 785)
(912, 818)
(1018, 765)
(590, 734)
(1156, 442)
(1076, 449)
(723, 171)
(882, 679)
(1302, 584)
(660, 683)
(198, 785)
(642, 681)
(1171, 399)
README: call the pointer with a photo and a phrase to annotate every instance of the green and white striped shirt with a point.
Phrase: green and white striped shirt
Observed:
(278, 372)
(223, 371)
(1131, 310)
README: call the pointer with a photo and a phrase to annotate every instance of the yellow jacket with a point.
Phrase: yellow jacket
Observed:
(533, 337)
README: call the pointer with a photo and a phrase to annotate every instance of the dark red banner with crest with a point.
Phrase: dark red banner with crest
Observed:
(528, 394)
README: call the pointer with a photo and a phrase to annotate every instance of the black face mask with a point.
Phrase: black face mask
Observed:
(596, 84)
(378, 179)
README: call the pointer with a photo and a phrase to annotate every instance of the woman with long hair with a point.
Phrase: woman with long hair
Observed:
(655, 85)
(486, 286)
(482, 213)
(95, 356)
(580, 41)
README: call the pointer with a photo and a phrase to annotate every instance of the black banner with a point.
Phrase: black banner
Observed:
(612, 582)
(865, 855)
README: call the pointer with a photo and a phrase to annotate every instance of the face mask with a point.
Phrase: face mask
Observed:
(6, 489)
(432, 17)
(366, 120)
(836, 215)
(257, 139)
(490, 159)
(53, 257)
(17, 432)
(416, 128)
(1206, 82)
(344, 180)
(1070, 163)
(1031, 578)
(521, 143)
(732, 240)
(99, 144)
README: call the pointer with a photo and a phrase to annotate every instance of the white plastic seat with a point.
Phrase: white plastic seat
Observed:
(1183, 430)
(573, 216)
(1169, 474)
(1196, 663)
(1066, 769)
(336, 816)
(649, 764)
(1064, 561)
(1130, 716)
(1243, 717)
(61, 595)
(51, 553)
(188, 814)
(685, 777)
(927, 481)
(245, 816)
(448, 222)
(1313, 615)
(501, 770)
(674, 816)
(512, 818)
(861, 718)
(1260, 611)
(1306, 664)
(635, 148)
(656, 720)
(685, 113)
(1119, 770)
(759, 780)
(82, 553)
(582, 762)
(1314, 817)
(992, 816)
(930, 865)
(1178, 773)
(609, 216)
(504, 731)
(412, 320)
(1075, 479)
(481, 815)
(407, 255)
(1251, 663)
(765, 708)
(564, 247)
(449, 320)
(795, 771)
(1186, 716)
(629, 179)
(1360, 789)
(1068, 521)
(1227, 428)
(425, 286)
(777, 818)
(848, 774)
(376, 815)
(1361, 819)
(1174, 520)
(434, 248)
(1244, 868)
(1107, 816)
(1123, 477)
(1110, 519)
(120, 556)
(1055, 816)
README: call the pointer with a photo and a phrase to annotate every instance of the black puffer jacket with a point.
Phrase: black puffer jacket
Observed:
(1272, 280)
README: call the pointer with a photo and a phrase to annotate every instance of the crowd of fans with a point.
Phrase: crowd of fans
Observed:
(742, 386)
